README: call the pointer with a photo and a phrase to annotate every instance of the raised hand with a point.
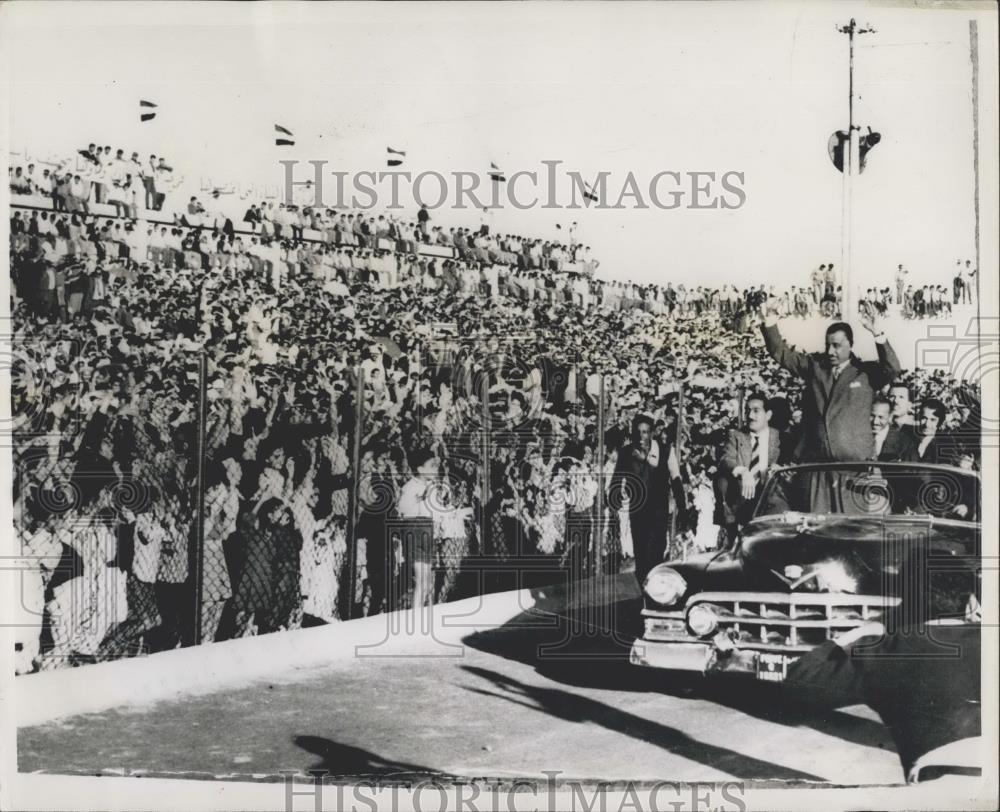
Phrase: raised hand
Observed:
(870, 320)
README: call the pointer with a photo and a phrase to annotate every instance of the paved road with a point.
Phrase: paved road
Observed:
(522, 699)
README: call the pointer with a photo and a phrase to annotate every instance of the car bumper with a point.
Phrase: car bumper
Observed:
(705, 657)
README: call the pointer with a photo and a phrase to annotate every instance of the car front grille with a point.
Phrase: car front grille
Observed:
(772, 621)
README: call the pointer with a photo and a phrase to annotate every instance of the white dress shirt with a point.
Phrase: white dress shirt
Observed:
(762, 454)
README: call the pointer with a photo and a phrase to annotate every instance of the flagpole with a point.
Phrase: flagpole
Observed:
(974, 58)
(852, 162)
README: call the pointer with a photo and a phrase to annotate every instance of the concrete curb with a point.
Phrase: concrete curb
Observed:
(436, 632)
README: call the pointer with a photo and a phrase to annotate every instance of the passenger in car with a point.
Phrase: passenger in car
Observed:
(744, 463)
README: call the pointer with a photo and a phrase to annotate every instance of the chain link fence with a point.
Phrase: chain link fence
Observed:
(104, 497)
(193, 506)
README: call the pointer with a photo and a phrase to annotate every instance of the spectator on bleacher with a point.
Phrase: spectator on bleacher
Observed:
(252, 216)
(969, 283)
(96, 173)
(423, 218)
(90, 154)
(163, 178)
(118, 193)
(149, 184)
(19, 183)
(135, 167)
(195, 212)
(61, 191)
(79, 193)
(33, 180)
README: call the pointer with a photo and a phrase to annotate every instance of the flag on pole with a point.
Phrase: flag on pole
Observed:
(394, 161)
(283, 142)
(588, 192)
(496, 174)
(146, 109)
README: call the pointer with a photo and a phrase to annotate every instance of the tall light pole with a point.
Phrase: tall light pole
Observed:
(852, 166)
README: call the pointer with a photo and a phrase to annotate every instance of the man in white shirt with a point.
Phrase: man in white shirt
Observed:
(416, 502)
(149, 183)
(164, 178)
(901, 274)
(969, 279)
(79, 192)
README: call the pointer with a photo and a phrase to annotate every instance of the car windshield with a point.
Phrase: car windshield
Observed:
(864, 489)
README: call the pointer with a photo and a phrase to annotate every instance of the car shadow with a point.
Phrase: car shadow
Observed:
(576, 708)
(595, 626)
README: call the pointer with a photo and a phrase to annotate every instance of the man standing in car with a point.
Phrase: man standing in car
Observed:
(839, 387)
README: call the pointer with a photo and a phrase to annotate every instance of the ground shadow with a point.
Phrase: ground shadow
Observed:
(575, 708)
(570, 627)
(345, 761)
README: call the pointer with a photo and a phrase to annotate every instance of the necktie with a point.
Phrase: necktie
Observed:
(836, 373)
(755, 455)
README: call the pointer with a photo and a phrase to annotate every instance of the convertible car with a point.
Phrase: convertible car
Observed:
(830, 546)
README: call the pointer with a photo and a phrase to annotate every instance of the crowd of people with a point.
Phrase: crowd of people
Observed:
(499, 397)
(926, 301)
(97, 175)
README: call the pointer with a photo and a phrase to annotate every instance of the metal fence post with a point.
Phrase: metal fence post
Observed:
(199, 518)
(486, 424)
(352, 495)
(598, 537)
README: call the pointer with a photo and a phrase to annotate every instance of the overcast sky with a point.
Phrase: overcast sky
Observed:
(619, 87)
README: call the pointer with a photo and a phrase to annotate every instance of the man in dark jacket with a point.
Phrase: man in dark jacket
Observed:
(932, 444)
(892, 443)
(921, 675)
(839, 388)
(644, 472)
(744, 462)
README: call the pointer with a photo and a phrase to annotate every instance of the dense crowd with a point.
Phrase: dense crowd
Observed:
(481, 378)
(97, 175)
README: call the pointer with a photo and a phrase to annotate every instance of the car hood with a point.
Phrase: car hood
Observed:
(861, 555)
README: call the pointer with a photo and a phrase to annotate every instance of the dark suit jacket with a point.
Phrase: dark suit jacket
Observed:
(924, 683)
(940, 450)
(835, 413)
(898, 446)
(647, 485)
(735, 453)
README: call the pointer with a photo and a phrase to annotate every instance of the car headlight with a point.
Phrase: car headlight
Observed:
(701, 620)
(664, 585)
